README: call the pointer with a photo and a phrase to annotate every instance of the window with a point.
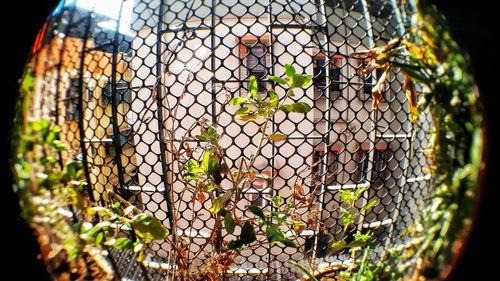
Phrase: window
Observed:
(331, 168)
(350, 5)
(131, 177)
(323, 244)
(260, 192)
(361, 158)
(123, 93)
(71, 101)
(109, 152)
(124, 137)
(320, 78)
(379, 9)
(256, 57)
(380, 160)
(368, 82)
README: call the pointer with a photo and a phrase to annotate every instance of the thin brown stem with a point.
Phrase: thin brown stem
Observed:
(191, 225)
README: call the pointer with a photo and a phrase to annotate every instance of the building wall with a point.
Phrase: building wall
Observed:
(195, 77)
(197, 84)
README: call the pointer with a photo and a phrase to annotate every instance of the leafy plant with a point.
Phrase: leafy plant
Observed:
(349, 215)
(115, 222)
(203, 169)
(56, 204)
(435, 63)
(52, 197)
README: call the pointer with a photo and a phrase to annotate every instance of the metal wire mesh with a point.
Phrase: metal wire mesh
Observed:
(117, 75)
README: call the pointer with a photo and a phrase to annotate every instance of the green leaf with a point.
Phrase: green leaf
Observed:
(237, 101)
(305, 270)
(370, 204)
(116, 208)
(99, 238)
(123, 243)
(220, 202)
(365, 237)
(347, 219)
(214, 170)
(289, 70)
(138, 246)
(414, 72)
(247, 233)
(288, 242)
(98, 227)
(257, 211)
(347, 196)
(277, 137)
(254, 87)
(59, 145)
(222, 212)
(248, 117)
(235, 245)
(72, 167)
(229, 223)
(148, 227)
(287, 108)
(101, 211)
(201, 138)
(356, 244)
(28, 82)
(278, 80)
(128, 210)
(297, 81)
(244, 110)
(274, 234)
(298, 107)
(338, 245)
(211, 132)
(209, 135)
(277, 200)
(301, 107)
(307, 80)
(273, 98)
(206, 159)
(193, 167)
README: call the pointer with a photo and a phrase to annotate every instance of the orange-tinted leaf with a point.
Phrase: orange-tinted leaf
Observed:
(413, 48)
(363, 53)
(377, 90)
(298, 192)
(224, 169)
(277, 137)
(411, 94)
(248, 117)
(201, 197)
(189, 150)
(299, 226)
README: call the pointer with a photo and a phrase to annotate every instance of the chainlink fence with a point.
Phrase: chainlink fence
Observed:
(118, 76)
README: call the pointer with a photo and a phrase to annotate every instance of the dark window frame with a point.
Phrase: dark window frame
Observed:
(332, 163)
(248, 46)
(123, 93)
(320, 80)
(71, 100)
